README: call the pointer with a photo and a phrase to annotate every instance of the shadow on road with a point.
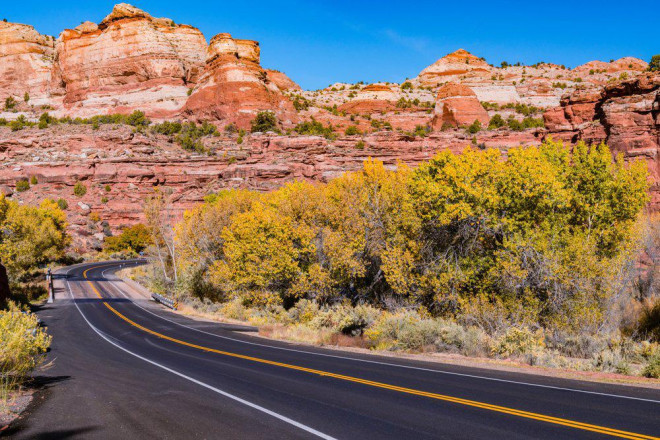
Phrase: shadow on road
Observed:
(52, 435)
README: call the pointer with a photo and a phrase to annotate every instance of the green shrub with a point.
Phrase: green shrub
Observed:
(79, 189)
(137, 119)
(475, 127)
(26, 97)
(10, 103)
(490, 105)
(301, 103)
(22, 185)
(107, 188)
(360, 145)
(190, 135)
(407, 86)
(20, 123)
(104, 200)
(314, 128)
(352, 130)
(496, 122)
(654, 64)
(62, 204)
(33, 180)
(264, 122)
(167, 128)
(421, 130)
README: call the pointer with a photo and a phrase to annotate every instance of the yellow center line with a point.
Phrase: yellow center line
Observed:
(472, 403)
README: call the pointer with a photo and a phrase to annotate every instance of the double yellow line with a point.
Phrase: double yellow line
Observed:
(472, 403)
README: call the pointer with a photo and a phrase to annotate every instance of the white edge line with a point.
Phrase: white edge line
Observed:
(205, 385)
(410, 367)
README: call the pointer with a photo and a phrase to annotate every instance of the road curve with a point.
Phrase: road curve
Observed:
(124, 367)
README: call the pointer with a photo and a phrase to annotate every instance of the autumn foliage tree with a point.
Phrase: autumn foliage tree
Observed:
(544, 237)
(30, 237)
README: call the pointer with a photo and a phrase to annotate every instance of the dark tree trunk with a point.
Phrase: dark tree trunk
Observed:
(4, 287)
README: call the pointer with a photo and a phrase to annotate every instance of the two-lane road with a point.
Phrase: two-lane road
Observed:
(126, 368)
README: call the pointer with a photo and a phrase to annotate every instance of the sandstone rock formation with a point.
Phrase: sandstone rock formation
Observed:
(234, 87)
(26, 63)
(625, 115)
(457, 105)
(282, 81)
(133, 61)
(129, 61)
(453, 67)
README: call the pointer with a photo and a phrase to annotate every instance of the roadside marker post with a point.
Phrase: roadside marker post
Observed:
(49, 281)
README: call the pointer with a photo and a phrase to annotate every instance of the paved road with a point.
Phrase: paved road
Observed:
(124, 367)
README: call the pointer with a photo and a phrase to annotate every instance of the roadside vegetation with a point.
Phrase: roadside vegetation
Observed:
(532, 256)
(30, 239)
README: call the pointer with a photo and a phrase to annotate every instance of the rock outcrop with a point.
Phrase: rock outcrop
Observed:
(374, 98)
(453, 67)
(129, 61)
(620, 65)
(625, 115)
(26, 63)
(457, 105)
(234, 87)
(282, 81)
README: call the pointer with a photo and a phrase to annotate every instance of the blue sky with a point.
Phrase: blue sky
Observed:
(318, 43)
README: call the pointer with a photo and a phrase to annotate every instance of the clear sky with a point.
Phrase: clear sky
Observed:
(322, 42)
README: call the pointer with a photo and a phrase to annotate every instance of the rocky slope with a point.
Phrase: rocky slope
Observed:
(120, 167)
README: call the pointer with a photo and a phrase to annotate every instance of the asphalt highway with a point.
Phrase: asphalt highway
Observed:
(124, 367)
